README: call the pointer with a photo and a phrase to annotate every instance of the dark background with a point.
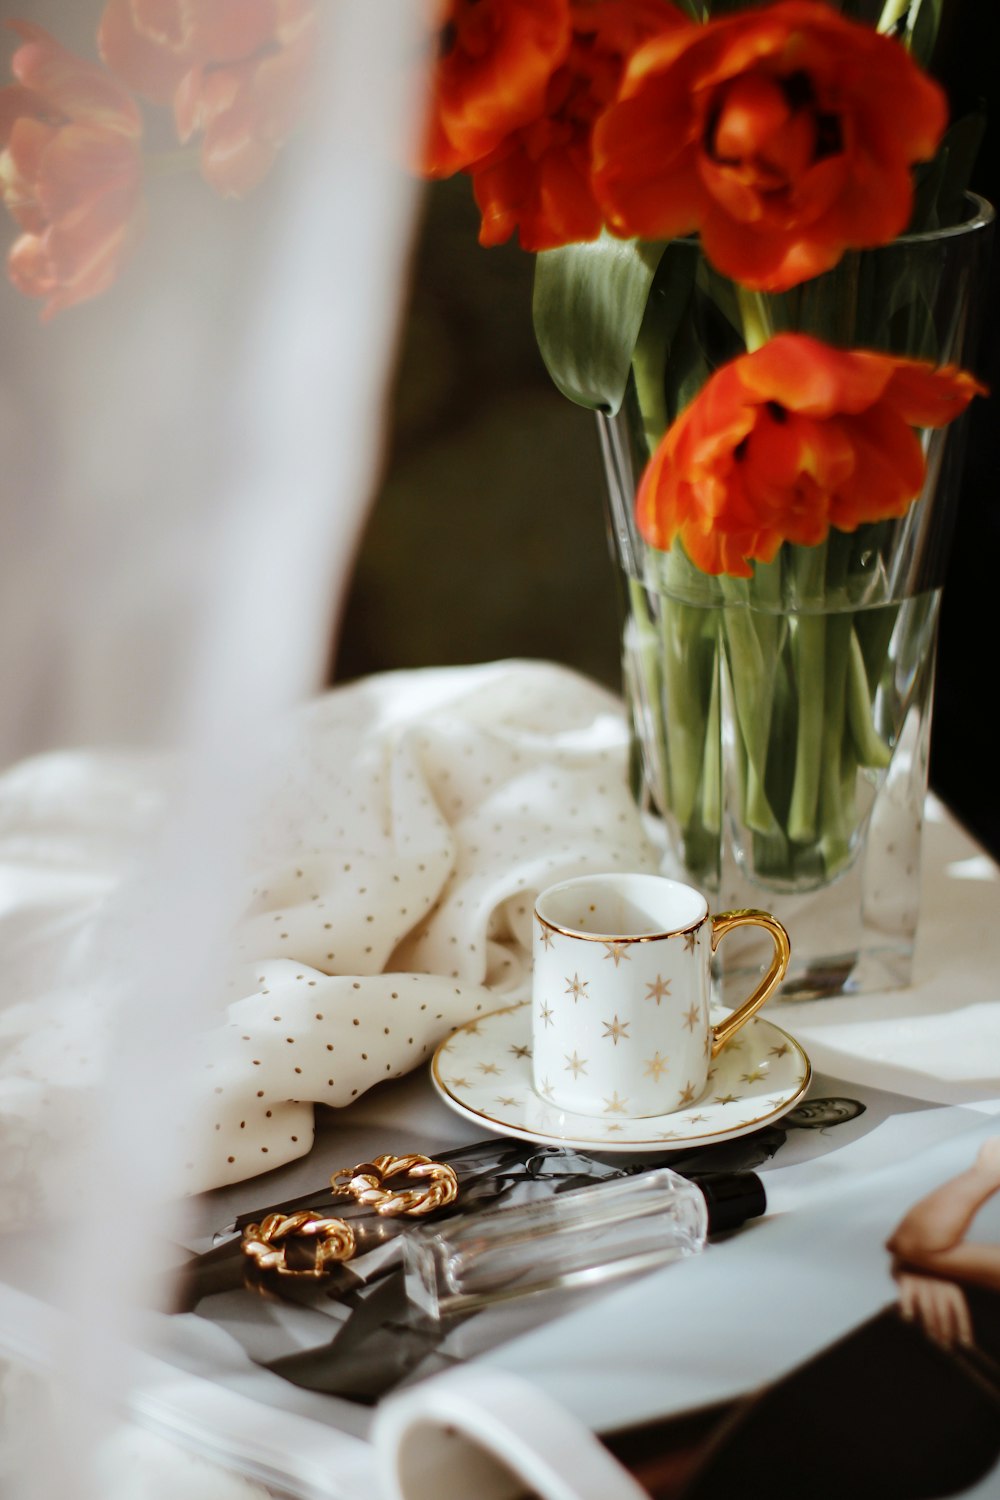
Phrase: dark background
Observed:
(487, 538)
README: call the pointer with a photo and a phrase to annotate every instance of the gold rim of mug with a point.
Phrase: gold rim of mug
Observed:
(612, 937)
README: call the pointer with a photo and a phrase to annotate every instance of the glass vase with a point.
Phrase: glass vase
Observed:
(781, 724)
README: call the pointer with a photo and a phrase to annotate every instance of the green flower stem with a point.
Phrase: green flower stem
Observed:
(649, 360)
(711, 782)
(644, 656)
(810, 675)
(809, 667)
(837, 766)
(870, 749)
(684, 703)
(755, 317)
(751, 674)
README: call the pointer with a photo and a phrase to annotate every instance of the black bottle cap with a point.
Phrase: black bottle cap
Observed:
(731, 1199)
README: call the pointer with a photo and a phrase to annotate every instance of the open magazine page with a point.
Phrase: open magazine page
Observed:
(839, 1172)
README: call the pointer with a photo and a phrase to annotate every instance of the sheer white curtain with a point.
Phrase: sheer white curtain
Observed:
(187, 462)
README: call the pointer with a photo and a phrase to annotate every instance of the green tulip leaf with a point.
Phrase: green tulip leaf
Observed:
(588, 305)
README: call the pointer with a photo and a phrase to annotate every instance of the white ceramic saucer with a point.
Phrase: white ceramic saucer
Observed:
(483, 1071)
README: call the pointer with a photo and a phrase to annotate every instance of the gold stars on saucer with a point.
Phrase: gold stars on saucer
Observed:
(489, 1068)
(616, 1030)
(545, 1014)
(656, 1065)
(726, 1099)
(617, 951)
(754, 1076)
(780, 1051)
(614, 1105)
(520, 1050)
(576, 987)
(506, 1101)
(691, 1018)
(657, 990)
(459, 1083)
(545, 1088)
(575, 1065)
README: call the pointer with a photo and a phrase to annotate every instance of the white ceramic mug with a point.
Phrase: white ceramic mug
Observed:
(620, 993)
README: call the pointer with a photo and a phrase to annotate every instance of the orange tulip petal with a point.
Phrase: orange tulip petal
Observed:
(889, 473)
(493, 76)
(929, 397)
(229, 31)
(785, 442)
(78, 89)
(812, 377)
(82, 164)
(802, 126)
(19, 168)
(145, 64)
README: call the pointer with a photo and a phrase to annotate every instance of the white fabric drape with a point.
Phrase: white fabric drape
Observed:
(187, 463)
(407, 823)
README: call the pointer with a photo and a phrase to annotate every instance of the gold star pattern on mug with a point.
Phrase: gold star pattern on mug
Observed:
(617, 951)
(577, 987)
(691, 1018)
(655, 1066)
(575, 1065)
(616, 1030)
(614, 1105)
(519, 1050)
(545, 1088)
(687, 1094)
(544, 935)
(658, 990)
(690, 941)
(545, 1014)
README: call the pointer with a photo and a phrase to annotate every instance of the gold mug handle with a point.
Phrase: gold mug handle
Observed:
(750, 917)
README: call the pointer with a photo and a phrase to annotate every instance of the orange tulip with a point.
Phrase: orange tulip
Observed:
(234, 71)
(70, 172)
(785, 443)
(538, 179)
(783, 134)
(494, 62)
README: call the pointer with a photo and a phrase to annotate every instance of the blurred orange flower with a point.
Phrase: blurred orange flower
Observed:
(233, 70)
(784, 443)
(538, 179)
(494, 62)
(784, 135)
(70, 171)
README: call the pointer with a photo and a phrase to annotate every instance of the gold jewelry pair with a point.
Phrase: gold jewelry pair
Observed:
(267, 1243)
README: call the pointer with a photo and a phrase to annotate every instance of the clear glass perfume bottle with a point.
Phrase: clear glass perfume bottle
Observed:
(584, 1236)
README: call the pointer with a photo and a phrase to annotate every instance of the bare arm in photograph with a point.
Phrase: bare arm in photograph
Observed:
(930, 1257)
(931, 1236)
